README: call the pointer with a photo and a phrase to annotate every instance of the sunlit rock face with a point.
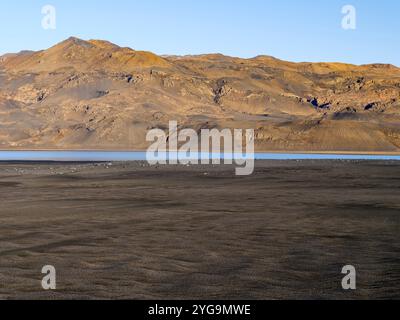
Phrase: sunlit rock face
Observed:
(96, 95)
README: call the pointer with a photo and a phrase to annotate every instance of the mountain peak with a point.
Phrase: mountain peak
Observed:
(73, 41)
(85, 55)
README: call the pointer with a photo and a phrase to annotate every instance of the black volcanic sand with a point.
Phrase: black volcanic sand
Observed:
(130, 231)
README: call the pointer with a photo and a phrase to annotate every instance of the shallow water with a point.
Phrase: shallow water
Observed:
(137, 156)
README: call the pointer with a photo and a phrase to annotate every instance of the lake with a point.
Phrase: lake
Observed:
(141, 156)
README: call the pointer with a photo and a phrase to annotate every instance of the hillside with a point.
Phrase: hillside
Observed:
(96, 95)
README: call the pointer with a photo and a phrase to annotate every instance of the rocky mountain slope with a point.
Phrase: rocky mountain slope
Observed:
(96, 95)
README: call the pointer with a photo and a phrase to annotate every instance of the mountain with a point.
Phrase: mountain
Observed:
(96, 95)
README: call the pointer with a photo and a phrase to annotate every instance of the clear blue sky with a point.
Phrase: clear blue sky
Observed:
(296, 30)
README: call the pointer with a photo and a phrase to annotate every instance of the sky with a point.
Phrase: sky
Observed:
(294, 30)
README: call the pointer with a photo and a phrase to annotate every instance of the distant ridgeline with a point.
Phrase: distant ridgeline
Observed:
(96, 95)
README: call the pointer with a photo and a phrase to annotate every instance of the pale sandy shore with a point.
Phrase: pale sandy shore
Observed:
(128, 231)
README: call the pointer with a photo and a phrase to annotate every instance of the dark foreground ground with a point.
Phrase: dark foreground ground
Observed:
(130, 231)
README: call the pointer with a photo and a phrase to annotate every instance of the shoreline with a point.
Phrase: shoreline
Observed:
(366, 153)
(257, 152)
(189, 166)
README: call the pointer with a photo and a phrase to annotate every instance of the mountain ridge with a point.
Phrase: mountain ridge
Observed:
(107, 44)
(97, 95)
